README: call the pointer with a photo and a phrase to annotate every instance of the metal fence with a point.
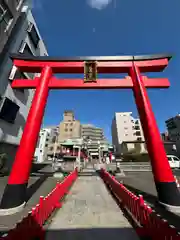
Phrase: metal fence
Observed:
(149, 223)
(31, 226)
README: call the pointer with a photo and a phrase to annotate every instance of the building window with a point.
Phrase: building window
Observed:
(33, 34)
(25, 49)
(137, 127)
(5, 16)
(139, 139)
(66, 129)
(70, 129)
(46, 145)
(138, 133)
(54, 139)
(8, 110)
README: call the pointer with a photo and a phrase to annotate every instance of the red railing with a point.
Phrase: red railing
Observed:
(31, 226)
(148, 222)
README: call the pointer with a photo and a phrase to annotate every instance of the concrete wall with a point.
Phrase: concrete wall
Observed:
(136, 147)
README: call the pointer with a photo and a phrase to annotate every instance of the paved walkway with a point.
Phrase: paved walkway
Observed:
(89, 213)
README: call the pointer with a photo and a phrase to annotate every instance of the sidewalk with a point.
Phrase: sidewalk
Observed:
(89, 213)
(38, 186)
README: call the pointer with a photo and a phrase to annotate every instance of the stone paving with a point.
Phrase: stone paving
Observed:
(89, 212)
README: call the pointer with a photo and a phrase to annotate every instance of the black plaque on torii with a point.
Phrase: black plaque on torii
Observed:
(90, 71)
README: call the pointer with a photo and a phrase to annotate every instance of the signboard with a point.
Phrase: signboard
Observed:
(90, 71)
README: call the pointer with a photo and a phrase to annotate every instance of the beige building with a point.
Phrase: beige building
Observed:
(69, 128)
(125, 128)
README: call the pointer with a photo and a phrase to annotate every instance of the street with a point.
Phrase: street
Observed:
(143, 183)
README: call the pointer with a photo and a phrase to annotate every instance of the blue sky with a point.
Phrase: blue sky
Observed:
(117, 27)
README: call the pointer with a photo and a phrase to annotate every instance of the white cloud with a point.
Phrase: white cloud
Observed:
(99, 4)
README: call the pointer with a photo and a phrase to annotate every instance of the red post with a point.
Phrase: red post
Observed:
(15, 191)
(168, 193)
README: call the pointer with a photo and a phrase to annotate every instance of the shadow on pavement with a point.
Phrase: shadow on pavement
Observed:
(35, 186)
(92, 233)
(172, 218)
(84, 174)
(37, 167)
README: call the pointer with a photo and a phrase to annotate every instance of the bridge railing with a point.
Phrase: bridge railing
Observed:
(148, 222)
(31, 226)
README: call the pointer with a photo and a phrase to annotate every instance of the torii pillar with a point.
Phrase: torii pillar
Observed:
(14, 197)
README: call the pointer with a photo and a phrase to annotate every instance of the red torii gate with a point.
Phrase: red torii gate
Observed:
(15, 192)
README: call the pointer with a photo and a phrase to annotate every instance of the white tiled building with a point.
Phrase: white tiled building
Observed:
(126, 128)
(47, 137)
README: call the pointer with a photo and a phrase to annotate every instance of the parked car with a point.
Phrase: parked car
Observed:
(174, 161)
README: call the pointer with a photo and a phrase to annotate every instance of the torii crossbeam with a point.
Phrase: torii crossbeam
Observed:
(15, 193)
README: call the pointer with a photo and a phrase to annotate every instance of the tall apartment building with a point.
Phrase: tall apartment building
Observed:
(125, 128)
(69, 128)
(91, 132)
(22, 37)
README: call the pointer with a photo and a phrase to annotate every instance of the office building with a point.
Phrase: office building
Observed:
(24, 38)
(69, 128)
(126, 129)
